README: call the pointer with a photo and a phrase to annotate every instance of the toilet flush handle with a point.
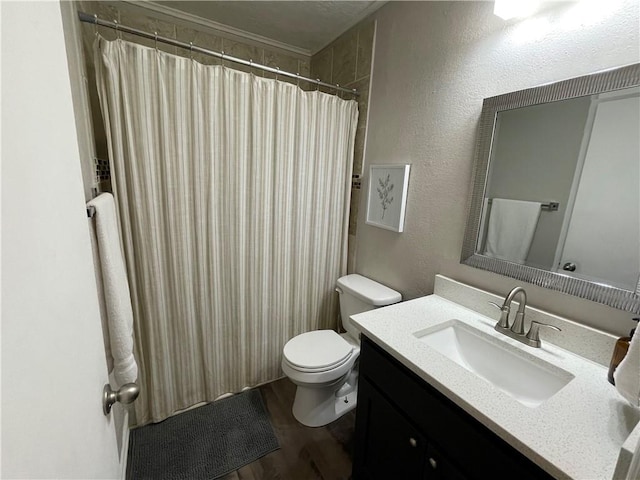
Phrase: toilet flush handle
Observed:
(339, 290)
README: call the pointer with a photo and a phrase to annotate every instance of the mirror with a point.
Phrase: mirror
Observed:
(556, 187)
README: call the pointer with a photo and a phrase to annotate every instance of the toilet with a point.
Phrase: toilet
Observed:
(322, 363)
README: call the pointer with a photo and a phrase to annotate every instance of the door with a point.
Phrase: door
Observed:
(598, 246)
(53, 361)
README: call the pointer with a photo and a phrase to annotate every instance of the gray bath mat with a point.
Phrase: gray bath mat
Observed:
(204, 443)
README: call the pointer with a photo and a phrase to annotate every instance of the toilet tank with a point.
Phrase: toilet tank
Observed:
(360, 294)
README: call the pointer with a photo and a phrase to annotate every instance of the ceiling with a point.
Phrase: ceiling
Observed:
(304, 26)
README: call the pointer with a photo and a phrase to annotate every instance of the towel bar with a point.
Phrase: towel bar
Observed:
(548, 206)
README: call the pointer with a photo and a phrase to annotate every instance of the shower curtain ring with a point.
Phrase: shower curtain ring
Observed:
(222, 58)
(191, 50)
(251, 66)
(277, 72)
(317, 84)
(95, 23)
(298, 79)
(117, 29)
(155, 34)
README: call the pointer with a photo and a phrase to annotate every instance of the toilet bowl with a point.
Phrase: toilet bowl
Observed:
(323, 363)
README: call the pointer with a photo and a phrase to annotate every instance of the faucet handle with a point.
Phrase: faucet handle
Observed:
(504, 315)
(533, 335)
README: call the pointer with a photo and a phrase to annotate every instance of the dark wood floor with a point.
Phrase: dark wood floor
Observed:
(305, 453)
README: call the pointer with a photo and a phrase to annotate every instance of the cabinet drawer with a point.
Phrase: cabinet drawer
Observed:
(475, 450)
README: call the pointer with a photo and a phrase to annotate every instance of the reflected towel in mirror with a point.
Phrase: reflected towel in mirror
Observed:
(512, 224)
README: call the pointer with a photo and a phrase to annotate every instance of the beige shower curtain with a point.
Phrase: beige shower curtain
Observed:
(233, 196)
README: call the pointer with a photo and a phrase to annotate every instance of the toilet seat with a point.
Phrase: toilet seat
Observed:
(317, 351)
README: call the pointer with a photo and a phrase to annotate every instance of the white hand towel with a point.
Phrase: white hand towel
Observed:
(116, 290)
(512, 224)
(103, 306)
(627, 375)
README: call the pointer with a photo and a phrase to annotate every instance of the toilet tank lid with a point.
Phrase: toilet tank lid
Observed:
(369, 291)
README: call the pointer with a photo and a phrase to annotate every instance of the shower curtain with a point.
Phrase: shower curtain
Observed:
(232, 193)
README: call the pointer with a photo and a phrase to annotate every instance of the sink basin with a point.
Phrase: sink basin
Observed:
(528, 379)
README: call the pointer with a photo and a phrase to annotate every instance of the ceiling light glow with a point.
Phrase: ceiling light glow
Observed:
(507, 9)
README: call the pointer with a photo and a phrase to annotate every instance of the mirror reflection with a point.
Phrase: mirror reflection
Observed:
(563, 188)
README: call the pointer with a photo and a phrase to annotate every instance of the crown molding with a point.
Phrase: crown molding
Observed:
(210, 24)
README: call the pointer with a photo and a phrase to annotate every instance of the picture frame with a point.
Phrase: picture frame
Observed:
(387, 196)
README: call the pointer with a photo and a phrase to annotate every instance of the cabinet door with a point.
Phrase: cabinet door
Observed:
(388, 445)
(439, 468)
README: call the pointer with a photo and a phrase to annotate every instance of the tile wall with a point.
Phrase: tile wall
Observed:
(347, 62)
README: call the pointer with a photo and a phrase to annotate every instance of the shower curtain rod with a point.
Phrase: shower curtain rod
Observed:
(85, 17)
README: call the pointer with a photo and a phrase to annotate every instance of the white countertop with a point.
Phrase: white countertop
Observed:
(577, 433)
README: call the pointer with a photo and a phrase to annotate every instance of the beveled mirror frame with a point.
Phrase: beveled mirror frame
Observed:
(599, 82)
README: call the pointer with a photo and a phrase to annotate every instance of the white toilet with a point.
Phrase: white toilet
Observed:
(321, 363)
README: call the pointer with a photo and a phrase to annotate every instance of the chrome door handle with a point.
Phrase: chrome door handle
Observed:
(125, 394)
(569, 267)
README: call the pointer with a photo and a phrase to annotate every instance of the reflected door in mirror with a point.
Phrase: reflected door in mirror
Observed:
(603, 230)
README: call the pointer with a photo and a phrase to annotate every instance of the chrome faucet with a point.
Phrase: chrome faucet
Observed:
(516, 331)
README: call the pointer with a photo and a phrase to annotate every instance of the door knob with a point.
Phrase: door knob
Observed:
(125, 394)
(569, 267)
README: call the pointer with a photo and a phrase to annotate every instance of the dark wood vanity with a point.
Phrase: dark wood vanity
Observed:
(405, 429)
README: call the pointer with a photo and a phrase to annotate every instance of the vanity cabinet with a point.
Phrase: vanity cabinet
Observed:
(405, 429)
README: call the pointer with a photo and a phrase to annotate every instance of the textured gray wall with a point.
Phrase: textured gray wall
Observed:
(434, 63)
